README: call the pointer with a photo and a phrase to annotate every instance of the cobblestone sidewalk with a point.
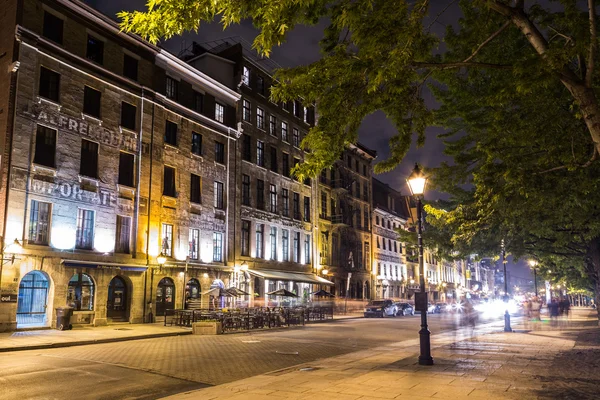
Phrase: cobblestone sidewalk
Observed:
(49, 338)
(537, 361)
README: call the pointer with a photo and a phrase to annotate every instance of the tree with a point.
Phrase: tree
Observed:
(521, 171)
(377, 54)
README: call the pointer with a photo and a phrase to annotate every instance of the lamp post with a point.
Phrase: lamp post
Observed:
(533, 264)
(416, 183)
(507, 327)
(12, 248)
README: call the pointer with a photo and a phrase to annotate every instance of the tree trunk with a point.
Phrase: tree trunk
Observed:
(588, 103)
(594, 260)
(583, 95)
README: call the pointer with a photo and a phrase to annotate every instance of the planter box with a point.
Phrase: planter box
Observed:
(207, 328)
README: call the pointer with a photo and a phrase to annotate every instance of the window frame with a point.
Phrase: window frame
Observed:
(171, 190)
(49, 84)
(87, 242)
(171, 88)
(88, 163)
(166, 239)
(94, 49)
(40, 227)
(42, 148)
(194, 244)
(219, 196)
(219, 152)
(195, 189)
(121, 179)
(123, 236)
(217, 247)
(128, 68)
(219, 112)
(48, 31)
(196, 148)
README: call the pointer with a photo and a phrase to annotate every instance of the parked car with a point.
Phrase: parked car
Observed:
(381, 308)
(442, 307)
(405, 309)
(432, 308)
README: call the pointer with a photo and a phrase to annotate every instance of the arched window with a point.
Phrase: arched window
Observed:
(80, 294)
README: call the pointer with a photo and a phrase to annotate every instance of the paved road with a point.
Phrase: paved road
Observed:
(151, 368)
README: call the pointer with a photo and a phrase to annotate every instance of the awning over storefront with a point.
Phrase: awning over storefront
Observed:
(290, 276)
(97, 265)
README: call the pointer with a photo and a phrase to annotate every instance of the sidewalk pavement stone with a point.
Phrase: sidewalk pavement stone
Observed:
(492, 364)
(51, 338)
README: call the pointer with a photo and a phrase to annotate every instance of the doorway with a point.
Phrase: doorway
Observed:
(117, 306)
(165, 296)
(33, 300)
(192, 292)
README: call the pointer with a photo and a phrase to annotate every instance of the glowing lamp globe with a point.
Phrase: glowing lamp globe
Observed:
(417, 181)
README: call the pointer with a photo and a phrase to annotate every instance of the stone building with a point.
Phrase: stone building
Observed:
(274, 218)
(390, 214)
(113, 152)
(345, 208)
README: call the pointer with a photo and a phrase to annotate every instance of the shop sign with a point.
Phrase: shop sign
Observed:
(92, 130)
(9, 298)
(62, 190)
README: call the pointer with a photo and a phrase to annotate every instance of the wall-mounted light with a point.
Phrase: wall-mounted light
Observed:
(161, 259)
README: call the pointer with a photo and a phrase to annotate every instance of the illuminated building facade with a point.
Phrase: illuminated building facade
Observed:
(114, 151)
(273, 225)
(390, 214)
(344, 231)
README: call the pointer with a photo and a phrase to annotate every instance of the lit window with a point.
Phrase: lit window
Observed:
(194, 243)
(260, 118)
(219, 112)
(80, 293)
(167, 240)
(217, 246)
(171, 88)
(85, 229)
(246, 76)
(39, 222)
(246, 111)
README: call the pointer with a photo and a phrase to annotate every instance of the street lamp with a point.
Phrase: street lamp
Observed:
(416, 183)
(12, 248)
(533, 264)
(507, 327)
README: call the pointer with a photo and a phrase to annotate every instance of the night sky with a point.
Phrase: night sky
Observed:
(302, 47)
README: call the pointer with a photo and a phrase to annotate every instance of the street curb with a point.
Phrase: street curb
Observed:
(140, 337)
(96, 341)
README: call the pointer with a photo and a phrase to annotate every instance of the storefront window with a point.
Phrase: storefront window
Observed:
(80, 294)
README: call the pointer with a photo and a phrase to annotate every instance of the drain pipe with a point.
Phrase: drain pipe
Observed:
(150, 315)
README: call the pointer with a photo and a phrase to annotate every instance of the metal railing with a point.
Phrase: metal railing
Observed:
(250, 318)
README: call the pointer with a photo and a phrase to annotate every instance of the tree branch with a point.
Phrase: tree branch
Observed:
(584, 165)
(593, 44)
(440, 14)
(499, 31)
(461, 65)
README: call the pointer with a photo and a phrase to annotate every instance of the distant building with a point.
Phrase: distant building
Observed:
(390, 214)
(345, 223)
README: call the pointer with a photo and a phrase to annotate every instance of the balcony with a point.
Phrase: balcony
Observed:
(325, 217)
(338, 219)
(339, 185)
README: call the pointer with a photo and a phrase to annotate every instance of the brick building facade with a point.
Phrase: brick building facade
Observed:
(274, 219)
(114, 151)
(344, 211)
